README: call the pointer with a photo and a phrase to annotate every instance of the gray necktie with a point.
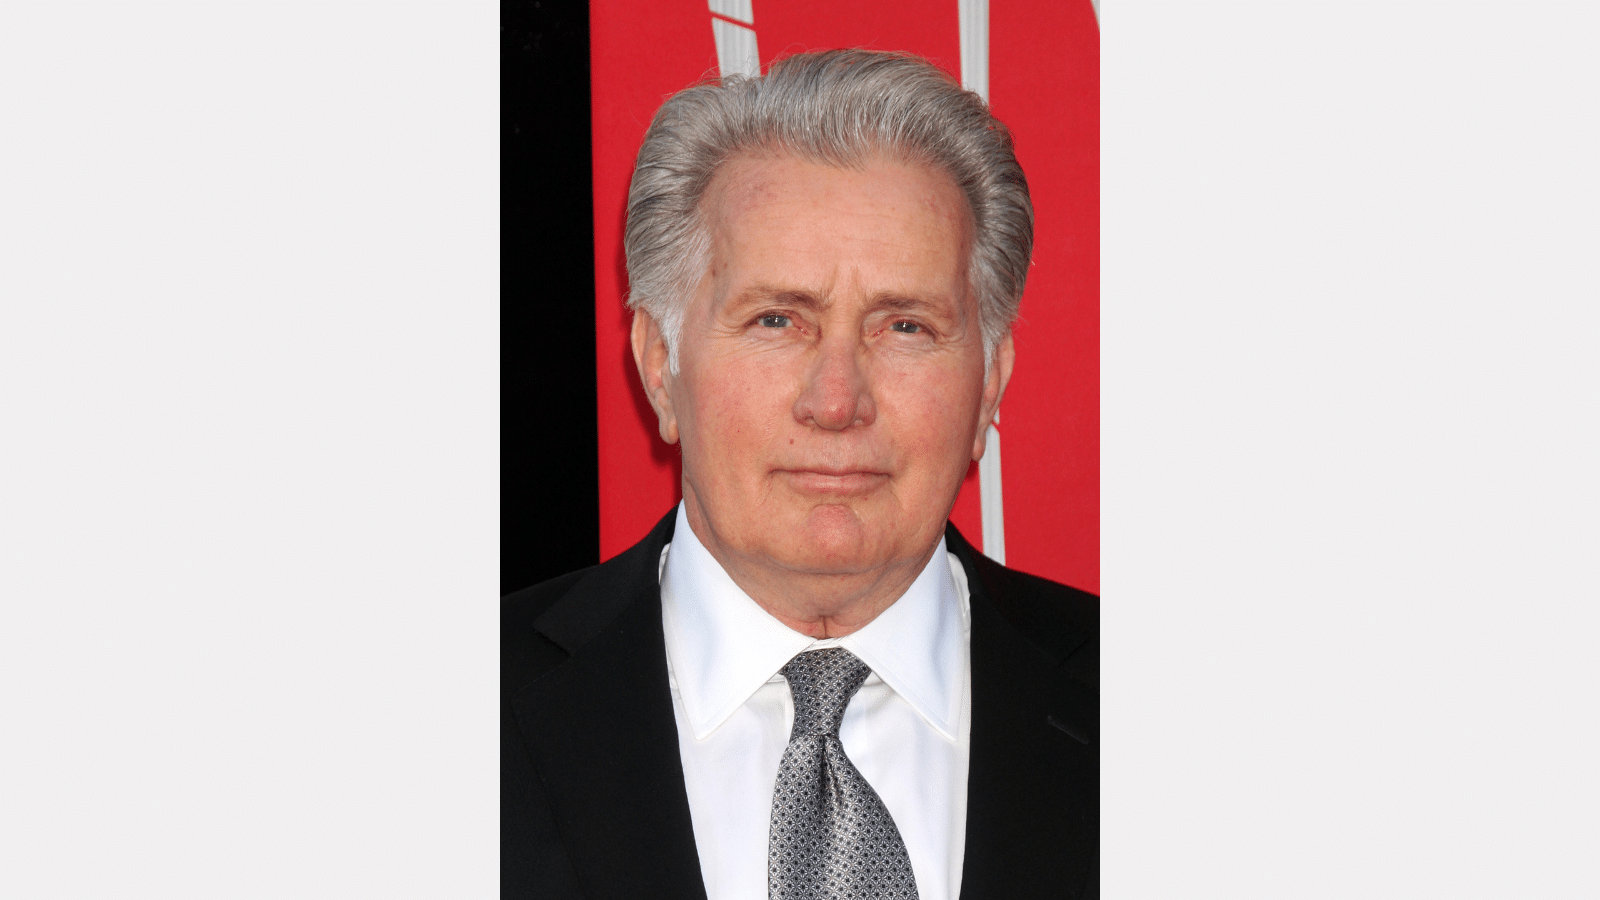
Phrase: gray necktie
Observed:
(831, 835)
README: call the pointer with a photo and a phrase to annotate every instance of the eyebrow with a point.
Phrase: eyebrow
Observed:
(899, 303)
(764, 294)
(886, 300)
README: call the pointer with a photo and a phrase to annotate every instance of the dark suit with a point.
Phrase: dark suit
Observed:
(592, 796)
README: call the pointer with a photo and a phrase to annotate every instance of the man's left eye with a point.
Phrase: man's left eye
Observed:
(774, 321)
(906, 327)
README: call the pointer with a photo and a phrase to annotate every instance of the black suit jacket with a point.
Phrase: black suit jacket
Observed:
(593, 802)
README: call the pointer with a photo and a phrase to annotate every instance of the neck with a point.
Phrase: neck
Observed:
(823, 606)
(816, 604)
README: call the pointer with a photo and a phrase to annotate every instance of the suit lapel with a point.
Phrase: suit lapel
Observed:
(601, 730)
(1033, 779)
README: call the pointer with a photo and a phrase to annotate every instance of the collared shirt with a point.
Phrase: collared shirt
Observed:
(907, 730)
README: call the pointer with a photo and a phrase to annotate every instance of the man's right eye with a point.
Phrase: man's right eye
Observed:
(774, 321)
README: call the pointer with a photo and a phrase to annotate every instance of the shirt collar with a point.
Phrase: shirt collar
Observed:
(722, 646)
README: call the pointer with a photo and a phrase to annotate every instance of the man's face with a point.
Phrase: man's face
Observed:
(831, 387)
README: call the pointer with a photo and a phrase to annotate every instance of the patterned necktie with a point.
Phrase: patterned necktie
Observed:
(831, 835)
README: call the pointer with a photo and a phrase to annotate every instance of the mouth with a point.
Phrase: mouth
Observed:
(834, 482)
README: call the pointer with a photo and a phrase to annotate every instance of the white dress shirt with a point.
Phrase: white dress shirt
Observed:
(907, 730)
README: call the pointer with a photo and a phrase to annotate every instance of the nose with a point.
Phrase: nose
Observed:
(837, 392)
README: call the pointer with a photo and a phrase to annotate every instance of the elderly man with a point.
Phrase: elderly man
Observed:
(804, 683)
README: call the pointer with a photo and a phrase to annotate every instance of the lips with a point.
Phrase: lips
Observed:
(834, 481)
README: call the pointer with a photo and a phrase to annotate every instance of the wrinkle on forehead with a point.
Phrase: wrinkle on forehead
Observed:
(745, 180)
(749, 184)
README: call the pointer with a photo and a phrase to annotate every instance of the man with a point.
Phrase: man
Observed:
(804, 682)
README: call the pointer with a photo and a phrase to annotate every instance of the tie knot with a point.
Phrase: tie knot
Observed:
(823, 681)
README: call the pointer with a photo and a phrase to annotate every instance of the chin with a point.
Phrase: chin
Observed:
(834, 538)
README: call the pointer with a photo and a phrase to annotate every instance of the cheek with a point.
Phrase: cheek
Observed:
(936, 410)
(736, 417)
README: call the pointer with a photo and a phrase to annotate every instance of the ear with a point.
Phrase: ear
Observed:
(994, 389)
(650, 355)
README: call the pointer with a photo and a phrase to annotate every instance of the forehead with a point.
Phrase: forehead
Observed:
(886, 216)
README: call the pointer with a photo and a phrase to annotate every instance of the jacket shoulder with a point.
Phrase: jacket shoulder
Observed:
(522, 608)
(525, 651)
(542, 626)
(1060, 620)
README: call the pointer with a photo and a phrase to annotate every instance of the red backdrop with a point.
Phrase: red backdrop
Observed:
(1044, 82)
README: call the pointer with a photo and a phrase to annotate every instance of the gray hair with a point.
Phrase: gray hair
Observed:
(837, 107)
